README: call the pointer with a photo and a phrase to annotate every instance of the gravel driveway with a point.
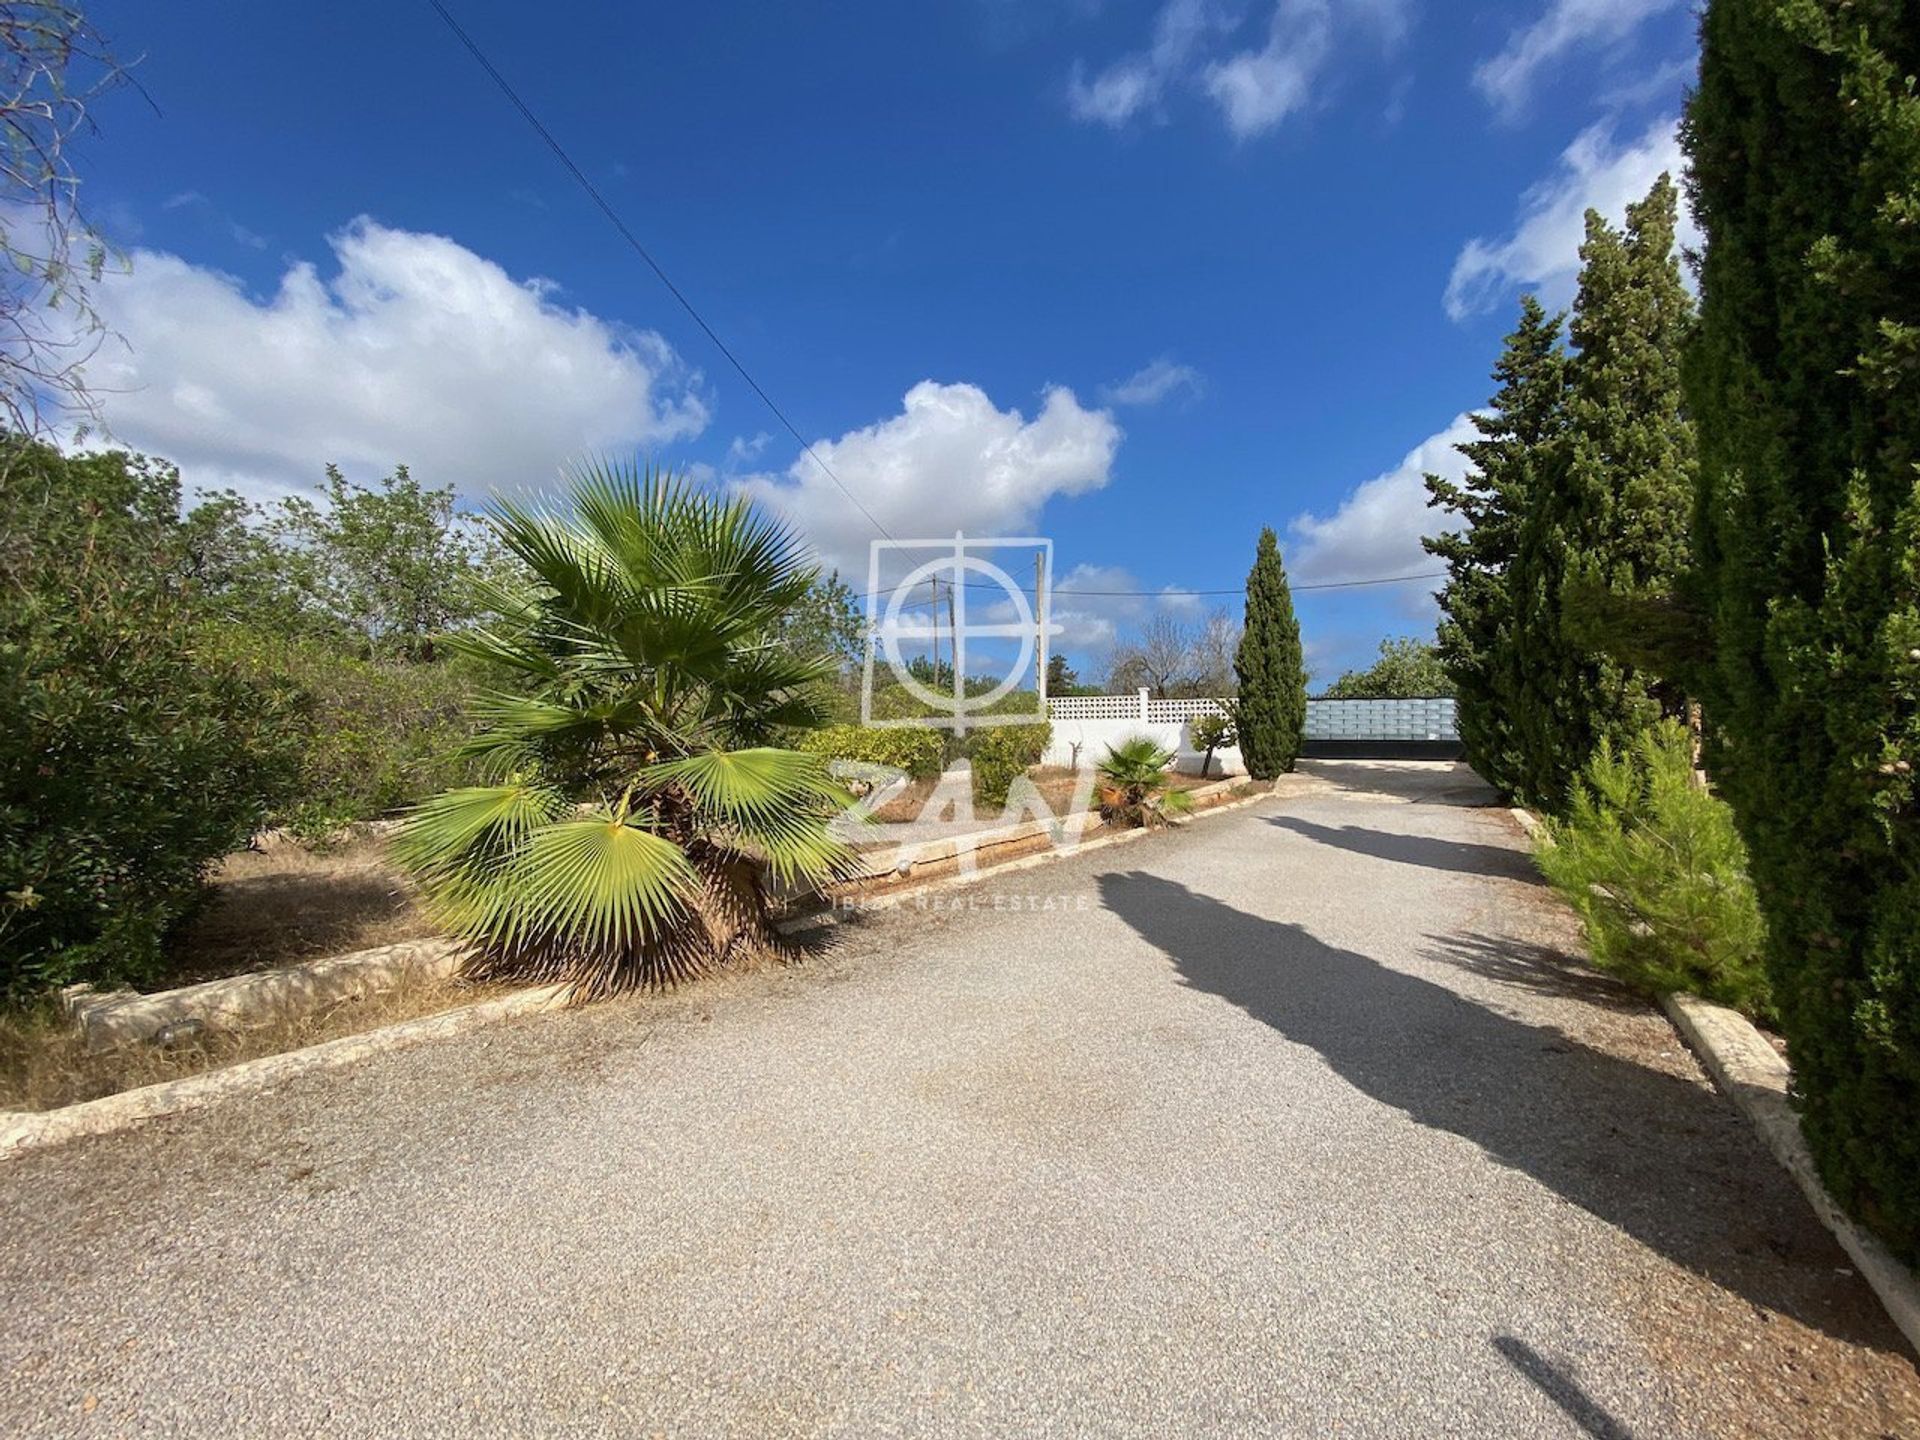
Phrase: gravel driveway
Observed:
(1299, 1121)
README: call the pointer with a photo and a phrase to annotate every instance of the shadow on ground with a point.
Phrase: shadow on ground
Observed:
(1426, 850)
(1539, 968)
(1658, 1157)
(1561, 1388)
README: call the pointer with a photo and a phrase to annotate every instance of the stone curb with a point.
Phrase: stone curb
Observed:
(21, 1132)
(120, 1017)
(885, 856)
(911, 892)
(1753, 1074)
(35, 1130)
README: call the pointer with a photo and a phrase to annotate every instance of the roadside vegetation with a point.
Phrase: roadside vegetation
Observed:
(1135, 787)
(640, 792)
(1652, 863)
(1407, 669)
(1709, 520)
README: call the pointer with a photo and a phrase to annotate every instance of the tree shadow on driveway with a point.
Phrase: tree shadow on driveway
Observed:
(1539, 968)
(1665, 1160)
(1426, 850)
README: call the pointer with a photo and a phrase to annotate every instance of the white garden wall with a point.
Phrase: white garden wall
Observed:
(1085, 726)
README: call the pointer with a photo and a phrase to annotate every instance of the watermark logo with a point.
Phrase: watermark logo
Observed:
(954, 593)
(951, 630)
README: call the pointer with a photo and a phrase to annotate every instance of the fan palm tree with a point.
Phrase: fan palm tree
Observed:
(639, 803)
(1134, 787)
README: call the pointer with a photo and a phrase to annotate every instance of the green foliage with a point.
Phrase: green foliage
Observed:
(1134, 788)
(1611, 513)
(381, 572)
(917, 749)
(372, 735)
(640, 801)
(1272, 673)
(1582, 480)
(1805, 141)
(1652, 863)
(1000, 755)
(1062, 679)
(1406, 670)
(827, 621)
(1479, 643)
(132, 755)
(1216, 732)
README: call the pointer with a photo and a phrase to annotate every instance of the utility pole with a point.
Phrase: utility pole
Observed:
(1040, 623)
(953, 628)
(933, 583)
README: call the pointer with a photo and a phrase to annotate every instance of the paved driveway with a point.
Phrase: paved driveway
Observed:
(1296, 1122)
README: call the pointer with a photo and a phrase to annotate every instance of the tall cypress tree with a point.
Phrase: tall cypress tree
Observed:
(1519, 436)
(1273, 677)
(1805, 140)
(1607, 514)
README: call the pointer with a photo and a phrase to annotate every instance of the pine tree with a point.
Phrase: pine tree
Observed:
(1273, 679)
(1805, 140)
(1519, 434)
(1607, 513)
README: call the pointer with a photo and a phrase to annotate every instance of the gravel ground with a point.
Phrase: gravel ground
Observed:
(1300, 1120)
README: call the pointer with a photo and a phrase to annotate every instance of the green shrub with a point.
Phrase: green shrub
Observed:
(913, 748)
(1804, 138)
(132, 755)
(1215, 732)
(1001, 754)
(375, 734)
(1654, 866)
(1134, 786)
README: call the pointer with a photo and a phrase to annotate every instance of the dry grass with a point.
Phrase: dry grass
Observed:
(286, 902)
(44, 1064)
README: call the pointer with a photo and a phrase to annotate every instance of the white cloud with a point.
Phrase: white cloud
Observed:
(1507, 79)
(1186, 604)
(744, 451)
(1135, 83)
(415, 351)
(1543, 252)
(950, 460)
(1154, 382)
(1255, 88)
(1376, 530)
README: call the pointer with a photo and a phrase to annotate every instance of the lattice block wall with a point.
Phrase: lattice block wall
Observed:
(1433, 719)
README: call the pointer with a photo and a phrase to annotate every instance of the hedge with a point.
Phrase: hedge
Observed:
(916, 749)
(1001, 754)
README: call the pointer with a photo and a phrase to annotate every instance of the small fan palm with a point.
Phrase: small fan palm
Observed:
(640, 805)
(1134, 787)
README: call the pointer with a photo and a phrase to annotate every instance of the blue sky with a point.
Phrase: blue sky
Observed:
(1143, 277)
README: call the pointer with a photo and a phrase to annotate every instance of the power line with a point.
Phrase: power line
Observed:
(1174, 590)
(593, 192)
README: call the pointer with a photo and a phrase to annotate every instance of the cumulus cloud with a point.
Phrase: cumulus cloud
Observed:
(1543, 252)
(1376, 530)
(414, 349)
(1154, 382)
(1507, 79)
(1254, 88)
(951, 460)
